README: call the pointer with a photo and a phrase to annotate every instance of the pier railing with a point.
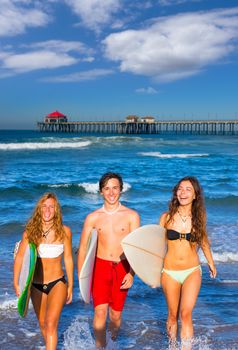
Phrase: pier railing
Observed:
(211, 127)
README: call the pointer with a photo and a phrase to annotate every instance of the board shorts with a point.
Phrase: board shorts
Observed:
(107, 279)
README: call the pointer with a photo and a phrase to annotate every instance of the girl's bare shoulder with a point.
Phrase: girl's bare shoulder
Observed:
(163, 219)
(67, 231)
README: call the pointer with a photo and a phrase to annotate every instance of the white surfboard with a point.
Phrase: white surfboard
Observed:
(86, 274)
(145, 249)
(26, 277)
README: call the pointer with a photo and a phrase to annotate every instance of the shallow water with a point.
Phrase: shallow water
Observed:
(70, 165)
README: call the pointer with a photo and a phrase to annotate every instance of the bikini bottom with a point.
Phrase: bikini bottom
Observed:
(181, 275)
(46, 287)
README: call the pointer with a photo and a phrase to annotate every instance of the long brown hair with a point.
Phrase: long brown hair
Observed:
(34, 227)
(199, 218)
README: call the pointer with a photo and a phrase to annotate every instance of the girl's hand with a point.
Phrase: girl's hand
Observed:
(17, 290)
(69, 295)
(213, 271)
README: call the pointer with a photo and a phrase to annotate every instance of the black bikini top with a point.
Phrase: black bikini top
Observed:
(172, 235)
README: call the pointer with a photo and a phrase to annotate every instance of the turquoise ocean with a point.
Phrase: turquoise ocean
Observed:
(70, 165)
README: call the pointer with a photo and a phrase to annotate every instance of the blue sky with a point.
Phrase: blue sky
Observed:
(106, 59)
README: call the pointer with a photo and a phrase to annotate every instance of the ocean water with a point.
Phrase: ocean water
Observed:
(70, 165)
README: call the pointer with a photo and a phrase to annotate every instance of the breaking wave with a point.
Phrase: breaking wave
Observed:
(42, 145)
(174, 155)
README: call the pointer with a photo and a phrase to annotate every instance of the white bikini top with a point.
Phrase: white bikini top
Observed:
(50, 250)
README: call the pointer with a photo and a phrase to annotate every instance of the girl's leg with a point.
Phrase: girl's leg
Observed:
(39, 301)
(172, 290)
(189, 294)
(55, 302)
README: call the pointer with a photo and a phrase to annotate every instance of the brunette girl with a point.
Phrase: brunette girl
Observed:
(185, 223)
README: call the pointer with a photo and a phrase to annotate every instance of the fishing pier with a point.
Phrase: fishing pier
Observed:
(196, 127)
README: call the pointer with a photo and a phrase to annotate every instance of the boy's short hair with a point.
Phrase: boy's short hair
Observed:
(107, 176)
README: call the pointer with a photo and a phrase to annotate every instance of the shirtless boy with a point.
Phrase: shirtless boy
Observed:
(112, 273)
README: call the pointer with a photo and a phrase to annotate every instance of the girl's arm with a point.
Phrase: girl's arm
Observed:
(208, 255)
(163, 219)
(18, 263)
(69, 264)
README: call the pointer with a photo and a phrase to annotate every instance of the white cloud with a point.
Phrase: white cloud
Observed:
(18, 15)
(94, 13)
(61, 46)
(80, 76)
(44, 55)
(175, 47)
(37, 60)
(149, 90)
(174, 2)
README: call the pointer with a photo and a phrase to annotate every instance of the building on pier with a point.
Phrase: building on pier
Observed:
(147, 119)
(132, 119)
(56, 117)
(136, 119)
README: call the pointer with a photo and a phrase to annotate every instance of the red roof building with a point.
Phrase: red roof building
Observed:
(56, 117)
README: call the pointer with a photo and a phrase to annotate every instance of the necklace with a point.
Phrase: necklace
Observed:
(184, 218)
(45, 234)
(112, 211)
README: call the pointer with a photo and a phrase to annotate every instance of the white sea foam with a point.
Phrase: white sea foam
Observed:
(119, 139)
(8, 304)
(225, 257)
(60, 185)
(11, 304)
(90, 187)
(198, 343)
(78, 336)
(27, 333)
(10, 335)
(42, 145)
(228, 281)
(174, 155)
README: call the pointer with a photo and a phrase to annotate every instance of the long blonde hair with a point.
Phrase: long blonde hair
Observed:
(34, 227)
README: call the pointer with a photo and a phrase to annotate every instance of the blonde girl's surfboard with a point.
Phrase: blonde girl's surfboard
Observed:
(86, 274)
(26, 277)
(145, 249)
